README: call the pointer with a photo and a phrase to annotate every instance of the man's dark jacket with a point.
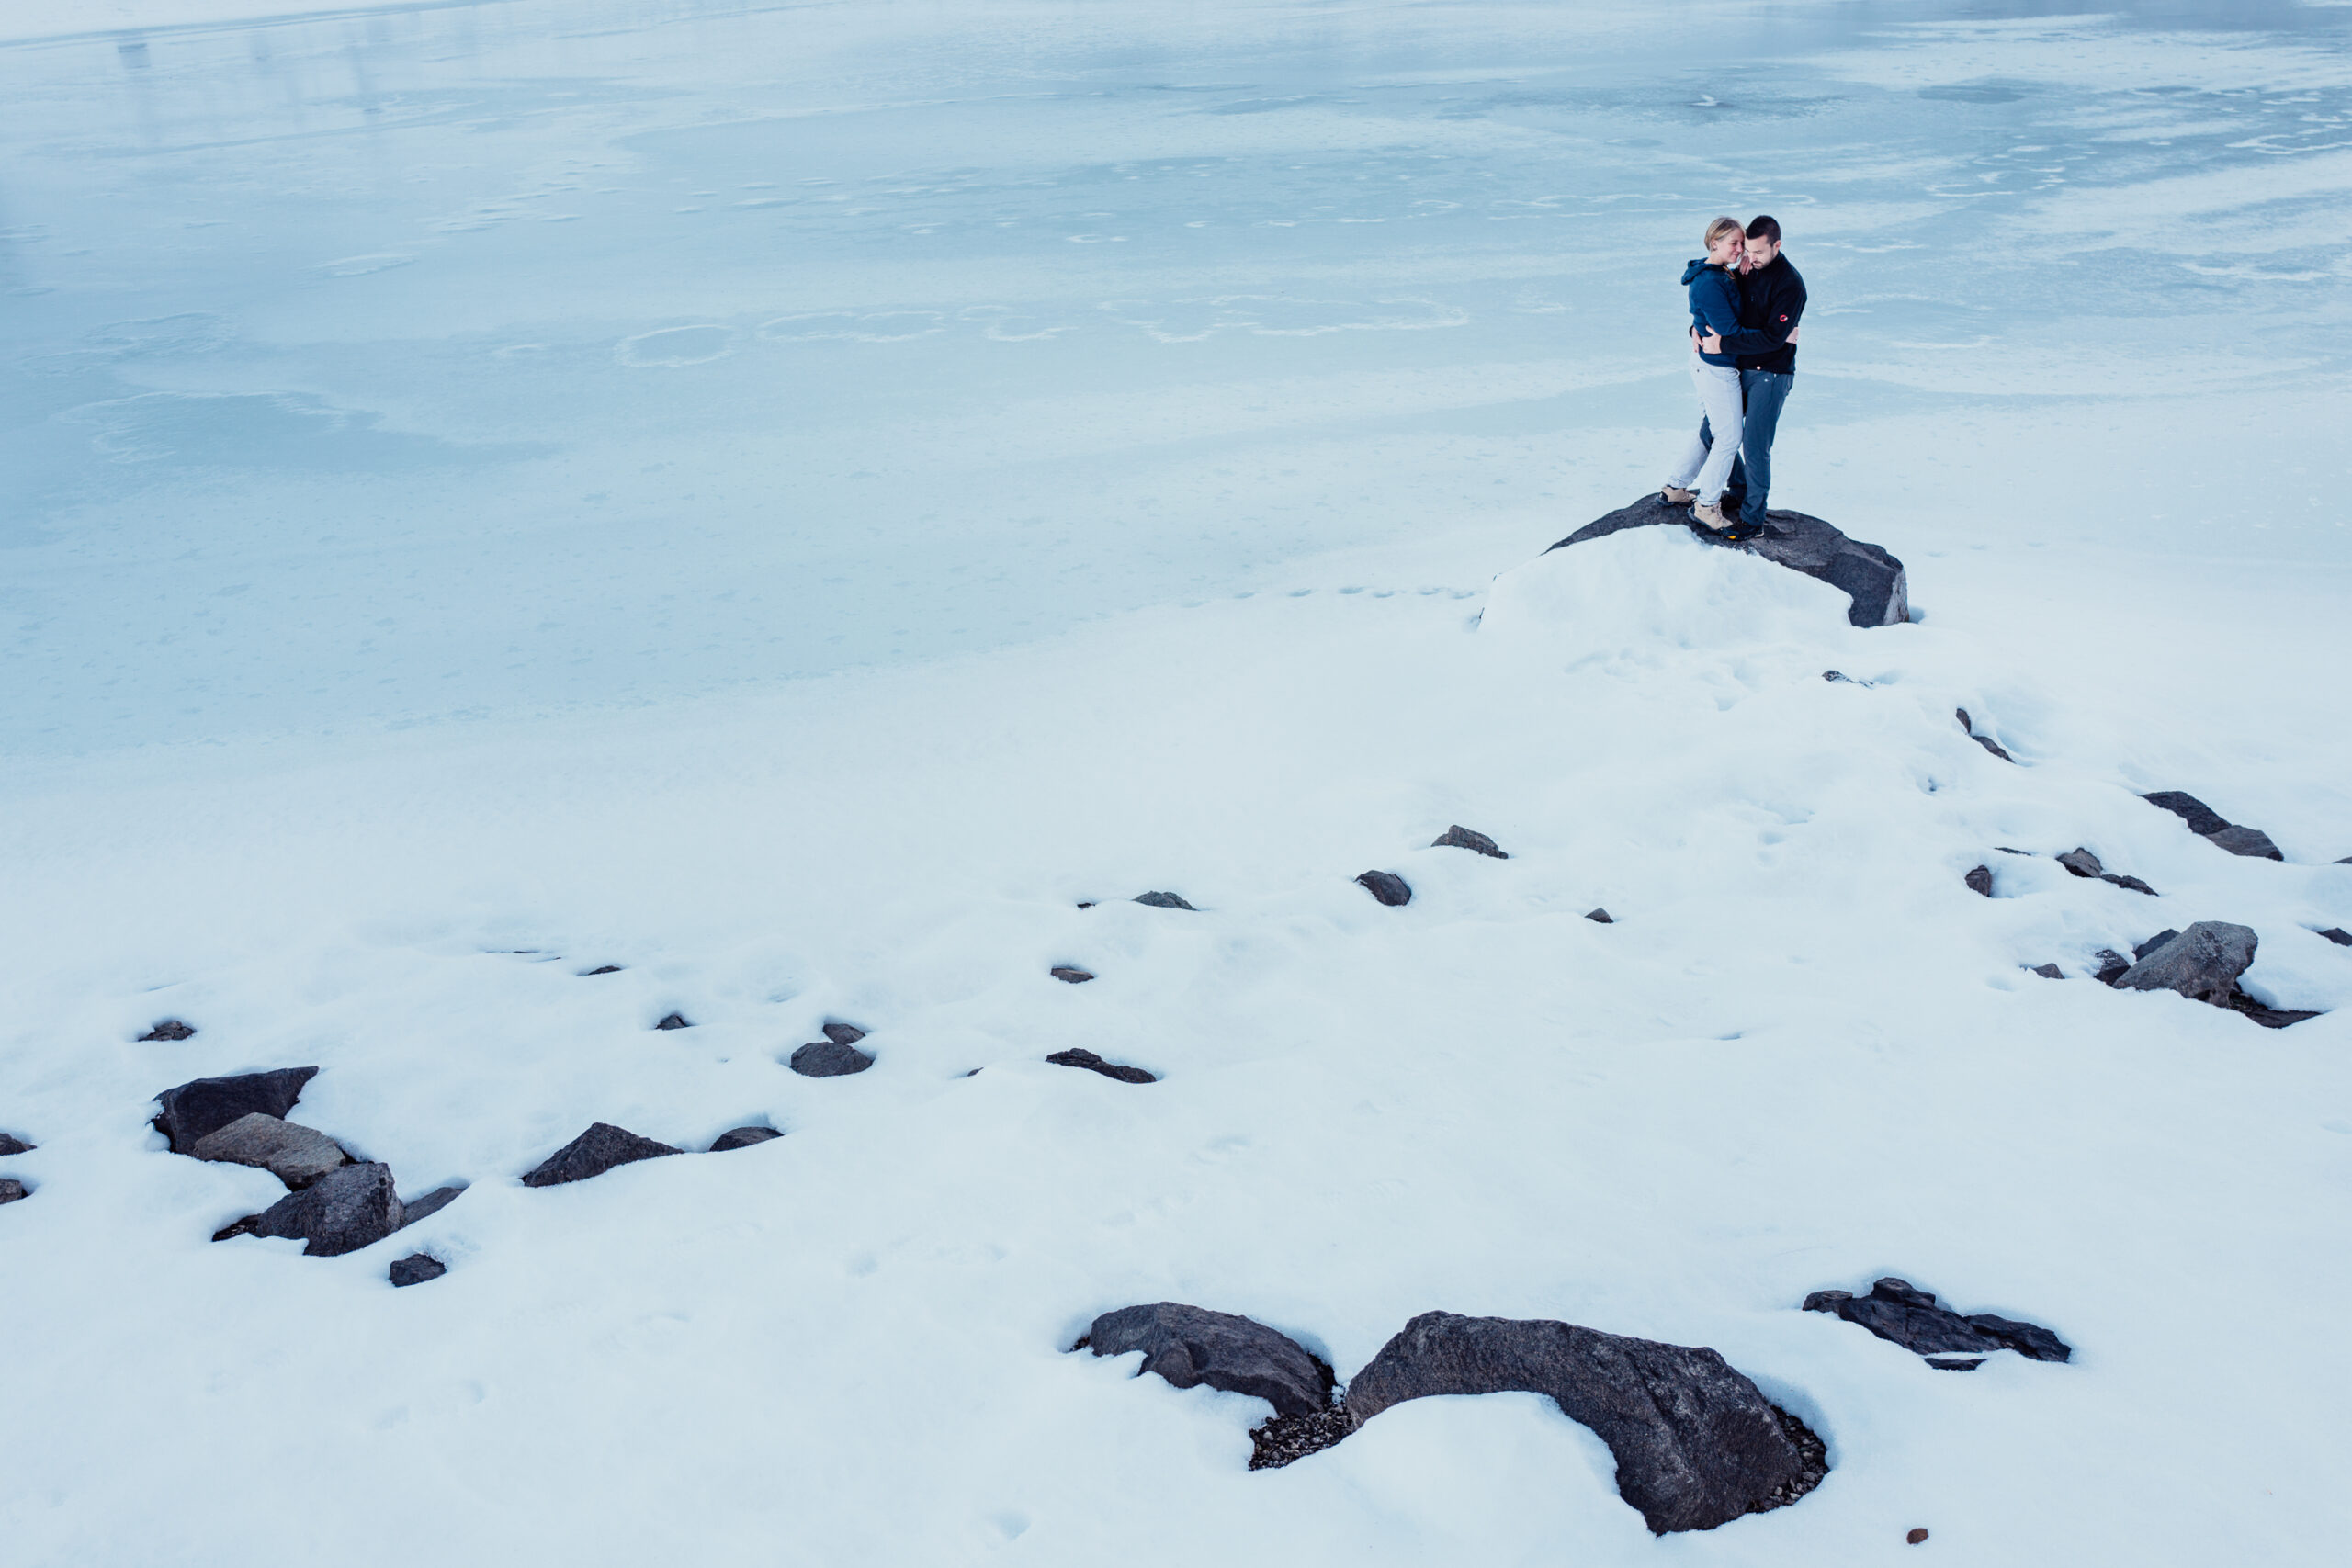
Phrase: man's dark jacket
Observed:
(1772, 302)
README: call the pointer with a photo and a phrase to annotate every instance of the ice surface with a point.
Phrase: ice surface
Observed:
(790, 501)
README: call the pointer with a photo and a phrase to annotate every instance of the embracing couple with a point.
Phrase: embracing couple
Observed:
(1746, 300)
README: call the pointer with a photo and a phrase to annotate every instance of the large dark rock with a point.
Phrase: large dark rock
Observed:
(296, 1155)
(10, 1145)
(1902, 1313)
(1869, 577)
(207, 1105)
(2154, 943)
(829, 1059)
(2112, 966)
(1190, 1345)
(1164, 901)
(168, 1029)
(594, 1152)
(1980, 880)
(2252, 842)
(424, 1208)
(1460, 838)
(742, 1138)
(342, 1211)
(1386, 887)
(2202, 963)
(2210, 825)
(2335, 934)
(416, 1268)
(1081, 1057)
(1696, 1444)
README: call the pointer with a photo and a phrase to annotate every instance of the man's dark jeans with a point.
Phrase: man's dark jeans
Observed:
(1751, 472)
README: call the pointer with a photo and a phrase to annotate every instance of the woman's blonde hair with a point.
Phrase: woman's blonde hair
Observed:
(1721, 226)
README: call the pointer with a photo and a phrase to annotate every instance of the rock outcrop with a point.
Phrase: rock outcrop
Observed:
(1697, 1445)
(1902, 1313)
(1190, 1345)
(1386, 887)
(296, 1155)
(2212, 826)
(342, 1211)
(205, 1105)
(1460, 838)
(1869, 577)
(594, 1152)
(1080, 1057)
(742, 1138)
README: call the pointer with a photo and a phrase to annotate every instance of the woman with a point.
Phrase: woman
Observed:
(1714, 283)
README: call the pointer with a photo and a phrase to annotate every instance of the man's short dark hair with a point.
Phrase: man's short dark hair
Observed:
(1761, 227)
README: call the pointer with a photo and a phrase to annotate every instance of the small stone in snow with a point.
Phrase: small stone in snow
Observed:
(2202, 818)
(1163, 901)
(1081, 1057)
(416, 1268)
(1842, 675)
(1984, 741)
(1916, 1536)
(2133, 882)
(1460, 838)
(829, 1059)
(673, 1021)
(600, 969)
(2111, 965)
(594, 1152)
(10, 1145)
(841, 1033)
(2082, 862)
(432, 1203)
(168, 1029)
(11, 1189)
(1599, 917)
(2335, 934)
(1980, 880)
(1386, 887)
(1071, 974)
(2050, 971)
(742, 1138)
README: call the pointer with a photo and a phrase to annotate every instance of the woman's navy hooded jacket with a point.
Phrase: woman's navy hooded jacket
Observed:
(1714, 305)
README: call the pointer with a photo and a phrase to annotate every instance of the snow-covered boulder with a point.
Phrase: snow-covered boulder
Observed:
(1697, 1444)
(2202, 963)
(294, 1153)
(342, 1211)
(205, 1105)
(1902, 1313)
(1190, 1345)
(594, 1152)
(1872, 579)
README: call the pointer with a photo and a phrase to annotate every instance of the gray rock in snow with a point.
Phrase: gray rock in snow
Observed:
(2202, 818)
(342, 1211)
(742, 1138)
(2154, 943)
(205, 1105)
(1870, 579)
(1070, 975)
(829, 1059)
(1599, 917)
(673, 1021)
(2335, 934)
(12, 1191)
(1460, 838)
(1080, 1057)
(841, 1033)
(1968, 726)
(296, 1155)
(1696, 1444)
(2050, 971)
(432, 1203)
(1386, 887)
(1190, 1345)
(2252, 842)
(416, 1268)
(2082, 862)
(1902, 1313)
(10, 1145)
(168, 1029)
(1162, 901)
(2111, 964)
(594, 1152)
(1980, 880)
(2202, 963)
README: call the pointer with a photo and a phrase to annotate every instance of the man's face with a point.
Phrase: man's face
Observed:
(1760, 252)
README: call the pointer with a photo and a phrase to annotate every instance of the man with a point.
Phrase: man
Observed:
(1771, 304)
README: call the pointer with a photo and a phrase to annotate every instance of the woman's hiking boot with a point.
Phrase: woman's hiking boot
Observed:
(1674, 497)
(1710, 518)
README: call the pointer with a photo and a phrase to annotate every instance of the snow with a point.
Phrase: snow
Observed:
(805, 608)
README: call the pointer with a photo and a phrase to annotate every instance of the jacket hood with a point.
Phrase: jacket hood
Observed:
(1697, 266)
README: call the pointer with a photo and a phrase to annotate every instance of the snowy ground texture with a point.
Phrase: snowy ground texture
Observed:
(792, 500)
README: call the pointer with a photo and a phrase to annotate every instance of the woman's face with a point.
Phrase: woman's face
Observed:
(1725, 251)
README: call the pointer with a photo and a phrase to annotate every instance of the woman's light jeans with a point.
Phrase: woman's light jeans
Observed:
(1703, 468)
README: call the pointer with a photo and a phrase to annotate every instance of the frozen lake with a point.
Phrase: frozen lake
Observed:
(479, 359)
